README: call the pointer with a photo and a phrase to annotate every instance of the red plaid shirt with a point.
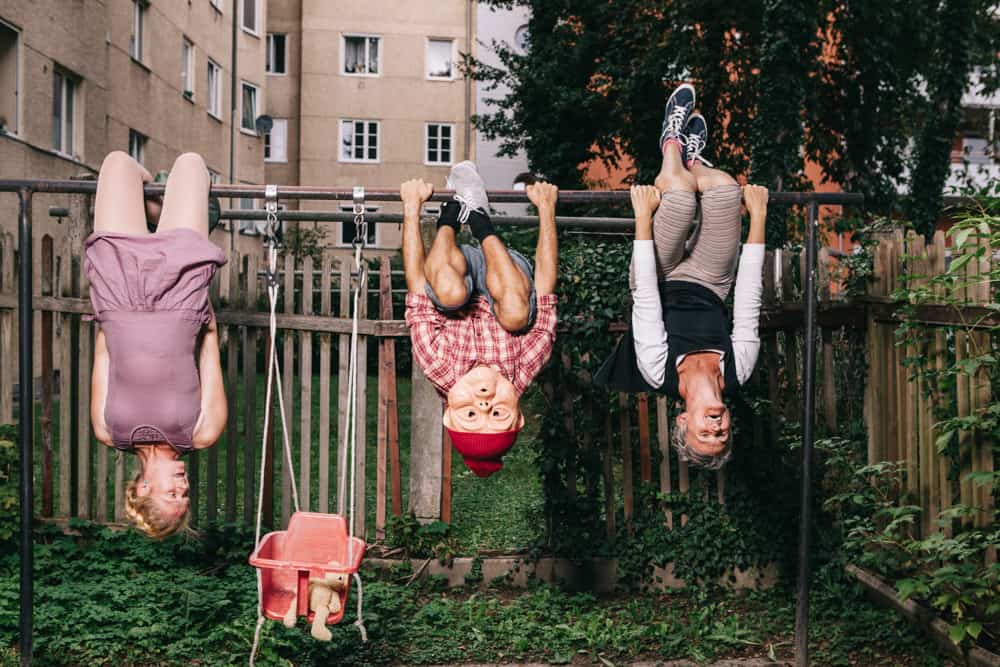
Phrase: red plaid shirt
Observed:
(448, 347)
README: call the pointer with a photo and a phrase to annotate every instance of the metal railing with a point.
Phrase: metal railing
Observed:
(27, 188)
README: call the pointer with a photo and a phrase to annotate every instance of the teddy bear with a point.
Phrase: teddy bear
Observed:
(324, 599)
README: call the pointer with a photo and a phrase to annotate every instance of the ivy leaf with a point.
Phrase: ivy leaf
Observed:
(959, 262)
(962, 236)
(957, 633)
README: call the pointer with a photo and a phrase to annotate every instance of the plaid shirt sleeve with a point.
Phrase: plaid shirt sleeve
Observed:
(536, 344)
(425, 324)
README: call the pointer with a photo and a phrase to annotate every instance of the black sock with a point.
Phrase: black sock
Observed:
(449, 216)
(481, 226)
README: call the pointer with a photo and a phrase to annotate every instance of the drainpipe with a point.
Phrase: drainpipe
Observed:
(469, 8)
(233, 127)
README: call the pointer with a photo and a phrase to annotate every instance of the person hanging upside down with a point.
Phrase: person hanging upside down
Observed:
(680, 342)
(157, 387)
(481, 324)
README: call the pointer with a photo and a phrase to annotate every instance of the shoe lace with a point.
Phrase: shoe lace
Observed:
(465, 210)
(695, 145)
(675, 119)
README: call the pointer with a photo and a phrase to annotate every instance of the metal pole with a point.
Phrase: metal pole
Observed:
(392, 194)
(808, 417)
(26, 422)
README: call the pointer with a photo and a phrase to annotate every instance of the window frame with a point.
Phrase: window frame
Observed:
(258, 7)
(373, 229)
(267, 140)
(137, 140)
(15, 126)
(451, 148)
(427, 52)
(68, 90)
(217, 5)
(188, 69)
(378, 141)
(269, 57)
(256, 103)
(137, 46)
(343, 54)
(215, 92)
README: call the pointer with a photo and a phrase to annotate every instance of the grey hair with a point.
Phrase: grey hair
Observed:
(678, 438)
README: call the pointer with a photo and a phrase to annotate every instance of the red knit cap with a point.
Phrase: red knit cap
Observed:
(483, 452)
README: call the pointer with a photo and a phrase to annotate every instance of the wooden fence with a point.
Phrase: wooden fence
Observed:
(79, 477)
(903, 405)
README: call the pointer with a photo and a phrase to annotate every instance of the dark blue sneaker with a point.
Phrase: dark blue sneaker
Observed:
(695, 138)
(676, 113)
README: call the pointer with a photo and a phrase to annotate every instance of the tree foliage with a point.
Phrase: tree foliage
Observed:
(868, 91)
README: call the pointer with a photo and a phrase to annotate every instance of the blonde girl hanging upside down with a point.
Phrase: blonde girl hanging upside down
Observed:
(157, 388)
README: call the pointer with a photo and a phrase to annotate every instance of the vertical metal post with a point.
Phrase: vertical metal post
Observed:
(26, 422)
(808, 417)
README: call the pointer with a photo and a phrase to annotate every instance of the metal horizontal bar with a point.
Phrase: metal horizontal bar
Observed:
(576, 222)
(392, 194)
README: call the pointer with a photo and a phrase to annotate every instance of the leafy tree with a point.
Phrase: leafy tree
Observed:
(851, 85)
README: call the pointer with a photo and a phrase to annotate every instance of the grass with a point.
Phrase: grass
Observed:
(487, 513)
(105, 598)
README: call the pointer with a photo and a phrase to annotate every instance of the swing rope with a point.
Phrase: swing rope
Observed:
(273, 370)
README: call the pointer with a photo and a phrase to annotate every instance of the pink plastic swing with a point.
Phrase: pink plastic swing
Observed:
(314, 545)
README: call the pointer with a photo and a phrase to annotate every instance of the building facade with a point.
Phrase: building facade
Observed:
(80, 79)
(367, 94)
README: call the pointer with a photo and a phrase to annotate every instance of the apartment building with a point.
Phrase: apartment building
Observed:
(367, 93)
(80, 79)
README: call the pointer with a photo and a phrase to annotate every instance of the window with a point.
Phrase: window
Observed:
(276, 142)
(976, 150)
(361, 55)
(359, 140)
(277, 52)
(348, 230)
(251, 16)
(217, 4)
(438, 142)
(10, 84)
(214, 176)
(440, 59)
(248, 108)
(137, 46)
(214, 90)
(187, 68)
(248, 226)
(64, 87)
(137, 146)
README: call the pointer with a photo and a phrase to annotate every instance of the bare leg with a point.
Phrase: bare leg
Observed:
(673, 175)
(185, 204)
(507, 284)
(120, 206)
(709, 178)
(445, 269)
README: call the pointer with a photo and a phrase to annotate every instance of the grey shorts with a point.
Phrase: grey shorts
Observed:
(475, 282)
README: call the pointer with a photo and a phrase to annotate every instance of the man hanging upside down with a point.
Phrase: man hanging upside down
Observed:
(679, 293)
(482, 326)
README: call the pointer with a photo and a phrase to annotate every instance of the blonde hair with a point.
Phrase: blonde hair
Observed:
(146, 516)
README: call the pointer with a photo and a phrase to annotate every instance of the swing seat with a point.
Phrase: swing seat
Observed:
(314, 545)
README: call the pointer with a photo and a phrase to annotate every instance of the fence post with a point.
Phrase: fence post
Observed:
(425, 435)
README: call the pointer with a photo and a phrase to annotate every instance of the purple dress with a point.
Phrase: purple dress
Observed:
(150, 295)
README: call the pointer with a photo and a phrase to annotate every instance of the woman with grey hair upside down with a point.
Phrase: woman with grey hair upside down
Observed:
(681, 341)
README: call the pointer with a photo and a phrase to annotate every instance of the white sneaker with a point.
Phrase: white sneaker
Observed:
(470, 190)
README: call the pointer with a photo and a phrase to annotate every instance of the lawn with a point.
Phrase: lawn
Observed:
(114, 598)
